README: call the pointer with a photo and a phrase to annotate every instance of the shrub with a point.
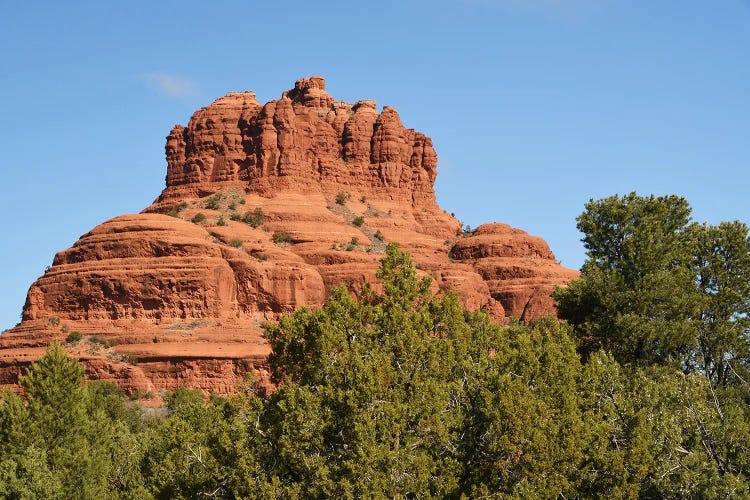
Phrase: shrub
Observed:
(355, 241)
(281, 237)
(73, 336)
(198, 218)
(129, 358)
(220, 221)
(254, 218)
(363, 199)
(379, 236)
(342, 197)
(236, 242)
(95, 339)
(358, 221)
(214, 201)
(175, 212)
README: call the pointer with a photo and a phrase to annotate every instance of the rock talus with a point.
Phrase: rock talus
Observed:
(266, 207)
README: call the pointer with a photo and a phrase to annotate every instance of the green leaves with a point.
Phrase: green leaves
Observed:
(55, 394)
(65, 440)
(657, 288)
(634, 235)
(367, 388)
(404, 394)
(669, 299)
(524, 430)
(721, 263)
(407, 394)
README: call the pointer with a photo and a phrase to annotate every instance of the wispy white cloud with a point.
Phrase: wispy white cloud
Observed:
(171, 85)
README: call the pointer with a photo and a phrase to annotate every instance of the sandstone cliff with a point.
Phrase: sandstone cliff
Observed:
(266, 207)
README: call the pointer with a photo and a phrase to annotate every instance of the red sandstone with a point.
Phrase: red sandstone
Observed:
(187, 300)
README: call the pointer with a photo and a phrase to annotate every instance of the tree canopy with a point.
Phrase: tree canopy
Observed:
(404, 394)
(659, 288)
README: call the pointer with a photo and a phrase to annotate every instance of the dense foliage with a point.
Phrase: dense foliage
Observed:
(657, 288)
(404, 394)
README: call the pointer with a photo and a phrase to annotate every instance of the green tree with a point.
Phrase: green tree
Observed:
(721, 262)
(665, 303)
(657, 432)
(636, 295)
(364, 404)
(202, 449)
(62, 439)
(56, 398)
(657, 288)
(524, 431)
(59, 425)
(406, 394)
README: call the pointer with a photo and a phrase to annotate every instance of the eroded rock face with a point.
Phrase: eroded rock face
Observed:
(519, 269)
(161, 268)
(266, 208)
(303, 142)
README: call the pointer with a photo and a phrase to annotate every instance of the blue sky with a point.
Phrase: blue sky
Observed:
(534, 106)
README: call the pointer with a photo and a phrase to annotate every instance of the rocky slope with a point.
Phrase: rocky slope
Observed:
(266, 207)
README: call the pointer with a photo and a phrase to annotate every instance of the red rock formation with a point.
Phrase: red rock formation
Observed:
(303, 142)
(520, 270)
(280, 186)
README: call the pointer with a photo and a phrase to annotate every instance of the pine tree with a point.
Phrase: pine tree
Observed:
(657, 288)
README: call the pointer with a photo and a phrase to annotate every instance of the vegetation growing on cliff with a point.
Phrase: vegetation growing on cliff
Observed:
(642, 392)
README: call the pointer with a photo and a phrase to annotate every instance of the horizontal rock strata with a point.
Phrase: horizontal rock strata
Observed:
(266, 208)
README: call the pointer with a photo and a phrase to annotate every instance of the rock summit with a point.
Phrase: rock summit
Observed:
(266, 208)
